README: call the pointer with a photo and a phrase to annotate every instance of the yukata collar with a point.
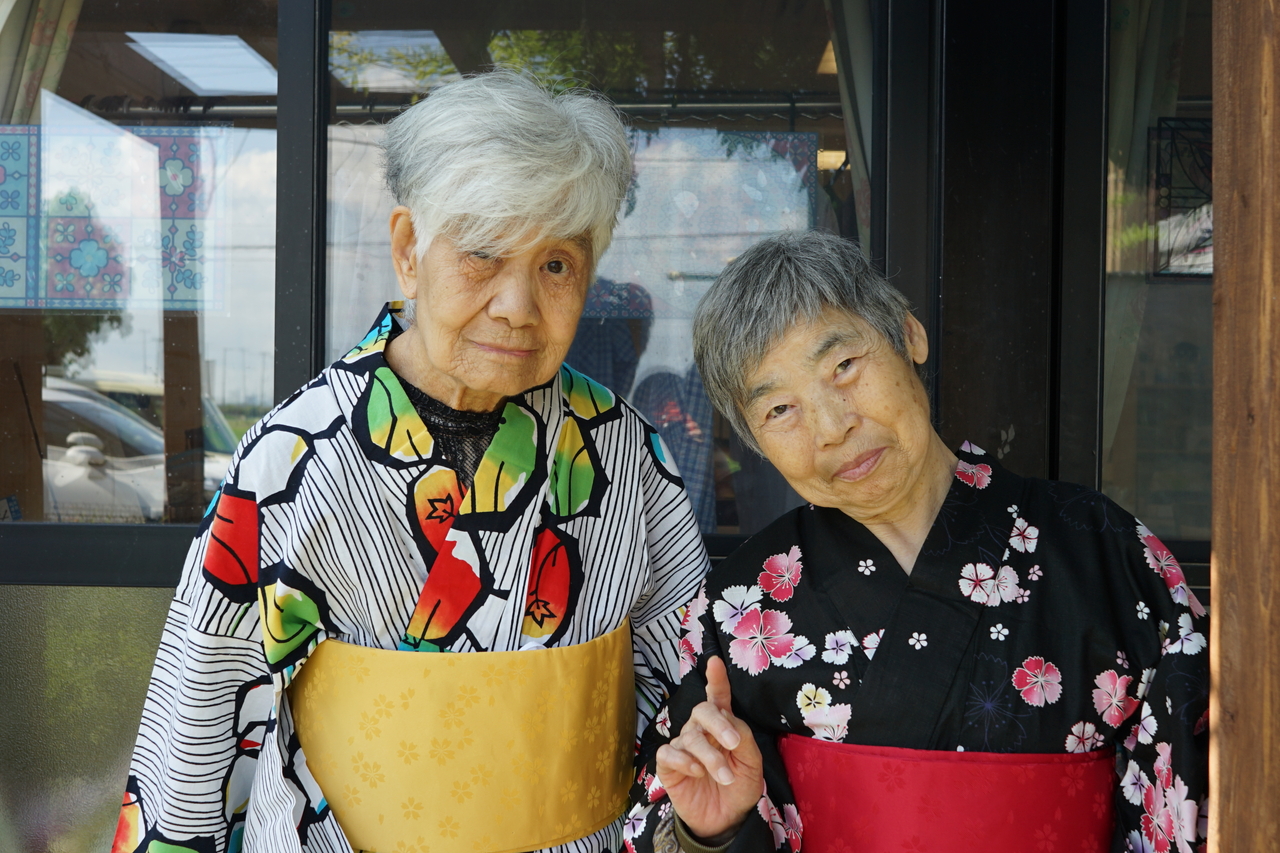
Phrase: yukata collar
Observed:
(928, 637)
(391, 433)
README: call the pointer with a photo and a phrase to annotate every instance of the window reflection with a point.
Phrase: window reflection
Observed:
(137, 185)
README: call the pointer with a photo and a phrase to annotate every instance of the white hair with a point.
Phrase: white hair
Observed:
(496, 162)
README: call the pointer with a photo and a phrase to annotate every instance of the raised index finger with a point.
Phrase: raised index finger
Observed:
(718, 692)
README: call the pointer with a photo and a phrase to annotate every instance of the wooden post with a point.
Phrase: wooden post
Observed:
(1245, 642)
(22, 439)
(183, 418)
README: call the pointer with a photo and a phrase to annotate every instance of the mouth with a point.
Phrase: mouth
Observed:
(860, 466)
(504, 351)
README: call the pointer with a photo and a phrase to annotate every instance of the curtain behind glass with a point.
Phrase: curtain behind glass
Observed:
(853, 42)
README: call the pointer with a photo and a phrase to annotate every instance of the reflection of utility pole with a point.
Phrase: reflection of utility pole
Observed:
(226, 368)
(262, 382)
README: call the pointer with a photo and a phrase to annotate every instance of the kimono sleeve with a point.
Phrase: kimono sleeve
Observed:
(649, 827)
(210, 703)
(1162, 802)
(677, 564)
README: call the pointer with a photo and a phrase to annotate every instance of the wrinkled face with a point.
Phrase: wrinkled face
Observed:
(492, 327)
(842, 416)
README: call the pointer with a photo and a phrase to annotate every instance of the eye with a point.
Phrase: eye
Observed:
(481, 255)
(844, 365)
(777, 411)
(557, 266)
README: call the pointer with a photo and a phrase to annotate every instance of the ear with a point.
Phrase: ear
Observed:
(917, 340)
(404, 251)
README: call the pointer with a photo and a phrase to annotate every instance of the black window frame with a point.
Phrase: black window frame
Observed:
(907, 179)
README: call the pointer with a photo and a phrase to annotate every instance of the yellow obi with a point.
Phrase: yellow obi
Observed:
(493, 752)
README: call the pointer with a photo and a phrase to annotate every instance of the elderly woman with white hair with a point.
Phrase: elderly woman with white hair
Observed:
(935, 653)
(439, 592)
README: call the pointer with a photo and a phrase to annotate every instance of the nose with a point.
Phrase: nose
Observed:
(833, 419)
(514, 298)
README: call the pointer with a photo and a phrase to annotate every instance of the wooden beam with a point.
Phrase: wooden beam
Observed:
(1245, 641)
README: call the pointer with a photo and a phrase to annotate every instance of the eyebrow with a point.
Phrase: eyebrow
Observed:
(757, 392)
(836, 339)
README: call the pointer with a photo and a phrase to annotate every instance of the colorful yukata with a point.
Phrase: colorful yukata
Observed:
(337, 522)
(1039, 618)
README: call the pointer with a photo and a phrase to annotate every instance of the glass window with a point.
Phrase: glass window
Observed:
(137, 259)
(744, 121)
(1158, 354)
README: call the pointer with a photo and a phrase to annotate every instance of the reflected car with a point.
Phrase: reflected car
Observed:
(105, 463)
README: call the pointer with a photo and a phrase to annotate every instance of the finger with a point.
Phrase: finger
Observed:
(718, 692)
(717, 723)
(673, 761)
(709, 755)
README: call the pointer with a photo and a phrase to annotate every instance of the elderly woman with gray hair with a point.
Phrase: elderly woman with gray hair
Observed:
(439, 592)
(935, 653)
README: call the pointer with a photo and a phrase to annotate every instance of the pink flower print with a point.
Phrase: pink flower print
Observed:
(781, 574)
(653, 788)
(1084, 737)
(1110, 699)
(1039, 681)
(1185, 814)
(733, 603)
(1164, 564)
(829, 722)
(696, 608)
(771, 816)
(1202, 723)
(1164, 764)
(871, 642)
(1147, 727)
(662, 722)
(1023, 596)
(1122, 660)
(1157, 822)
(1024, 536)
(839, 645)
(795, 828)
(1006, 586)
(1034, 573)
(801, 651)
(841, 679)
(977, 583)
(762, 635)
(978, 476)
(634, 824)
(967, 447)
(689, 654)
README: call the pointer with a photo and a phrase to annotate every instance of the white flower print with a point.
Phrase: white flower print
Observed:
(977, 583)
(839, 645)
(866, 567)
(811, 698)
(871, 642)
(1147, 726)
(918, 640)
(1134, 784)
(1084, 737)
(800, 652)
(1143, 610)
(1144, 683)
(999, 631)
(634, 824)
(773, 818)
(1012, 509)
(1024, 536)
(1023, 596)
(734, 602)
(1189, 642)
(1034, 573)
(1136, 842)
(968, 447)
(1122, 660)
(840, 679)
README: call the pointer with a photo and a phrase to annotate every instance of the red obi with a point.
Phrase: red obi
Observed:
(877, 799)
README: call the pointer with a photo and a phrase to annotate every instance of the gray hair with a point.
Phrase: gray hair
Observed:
(788, 279)
(497, 162)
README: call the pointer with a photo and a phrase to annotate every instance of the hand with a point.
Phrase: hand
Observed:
(712, 771)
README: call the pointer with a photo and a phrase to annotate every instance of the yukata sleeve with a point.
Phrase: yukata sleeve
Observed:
(1162, 801)
(677, 564)
(650, 825)
(210, 703)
